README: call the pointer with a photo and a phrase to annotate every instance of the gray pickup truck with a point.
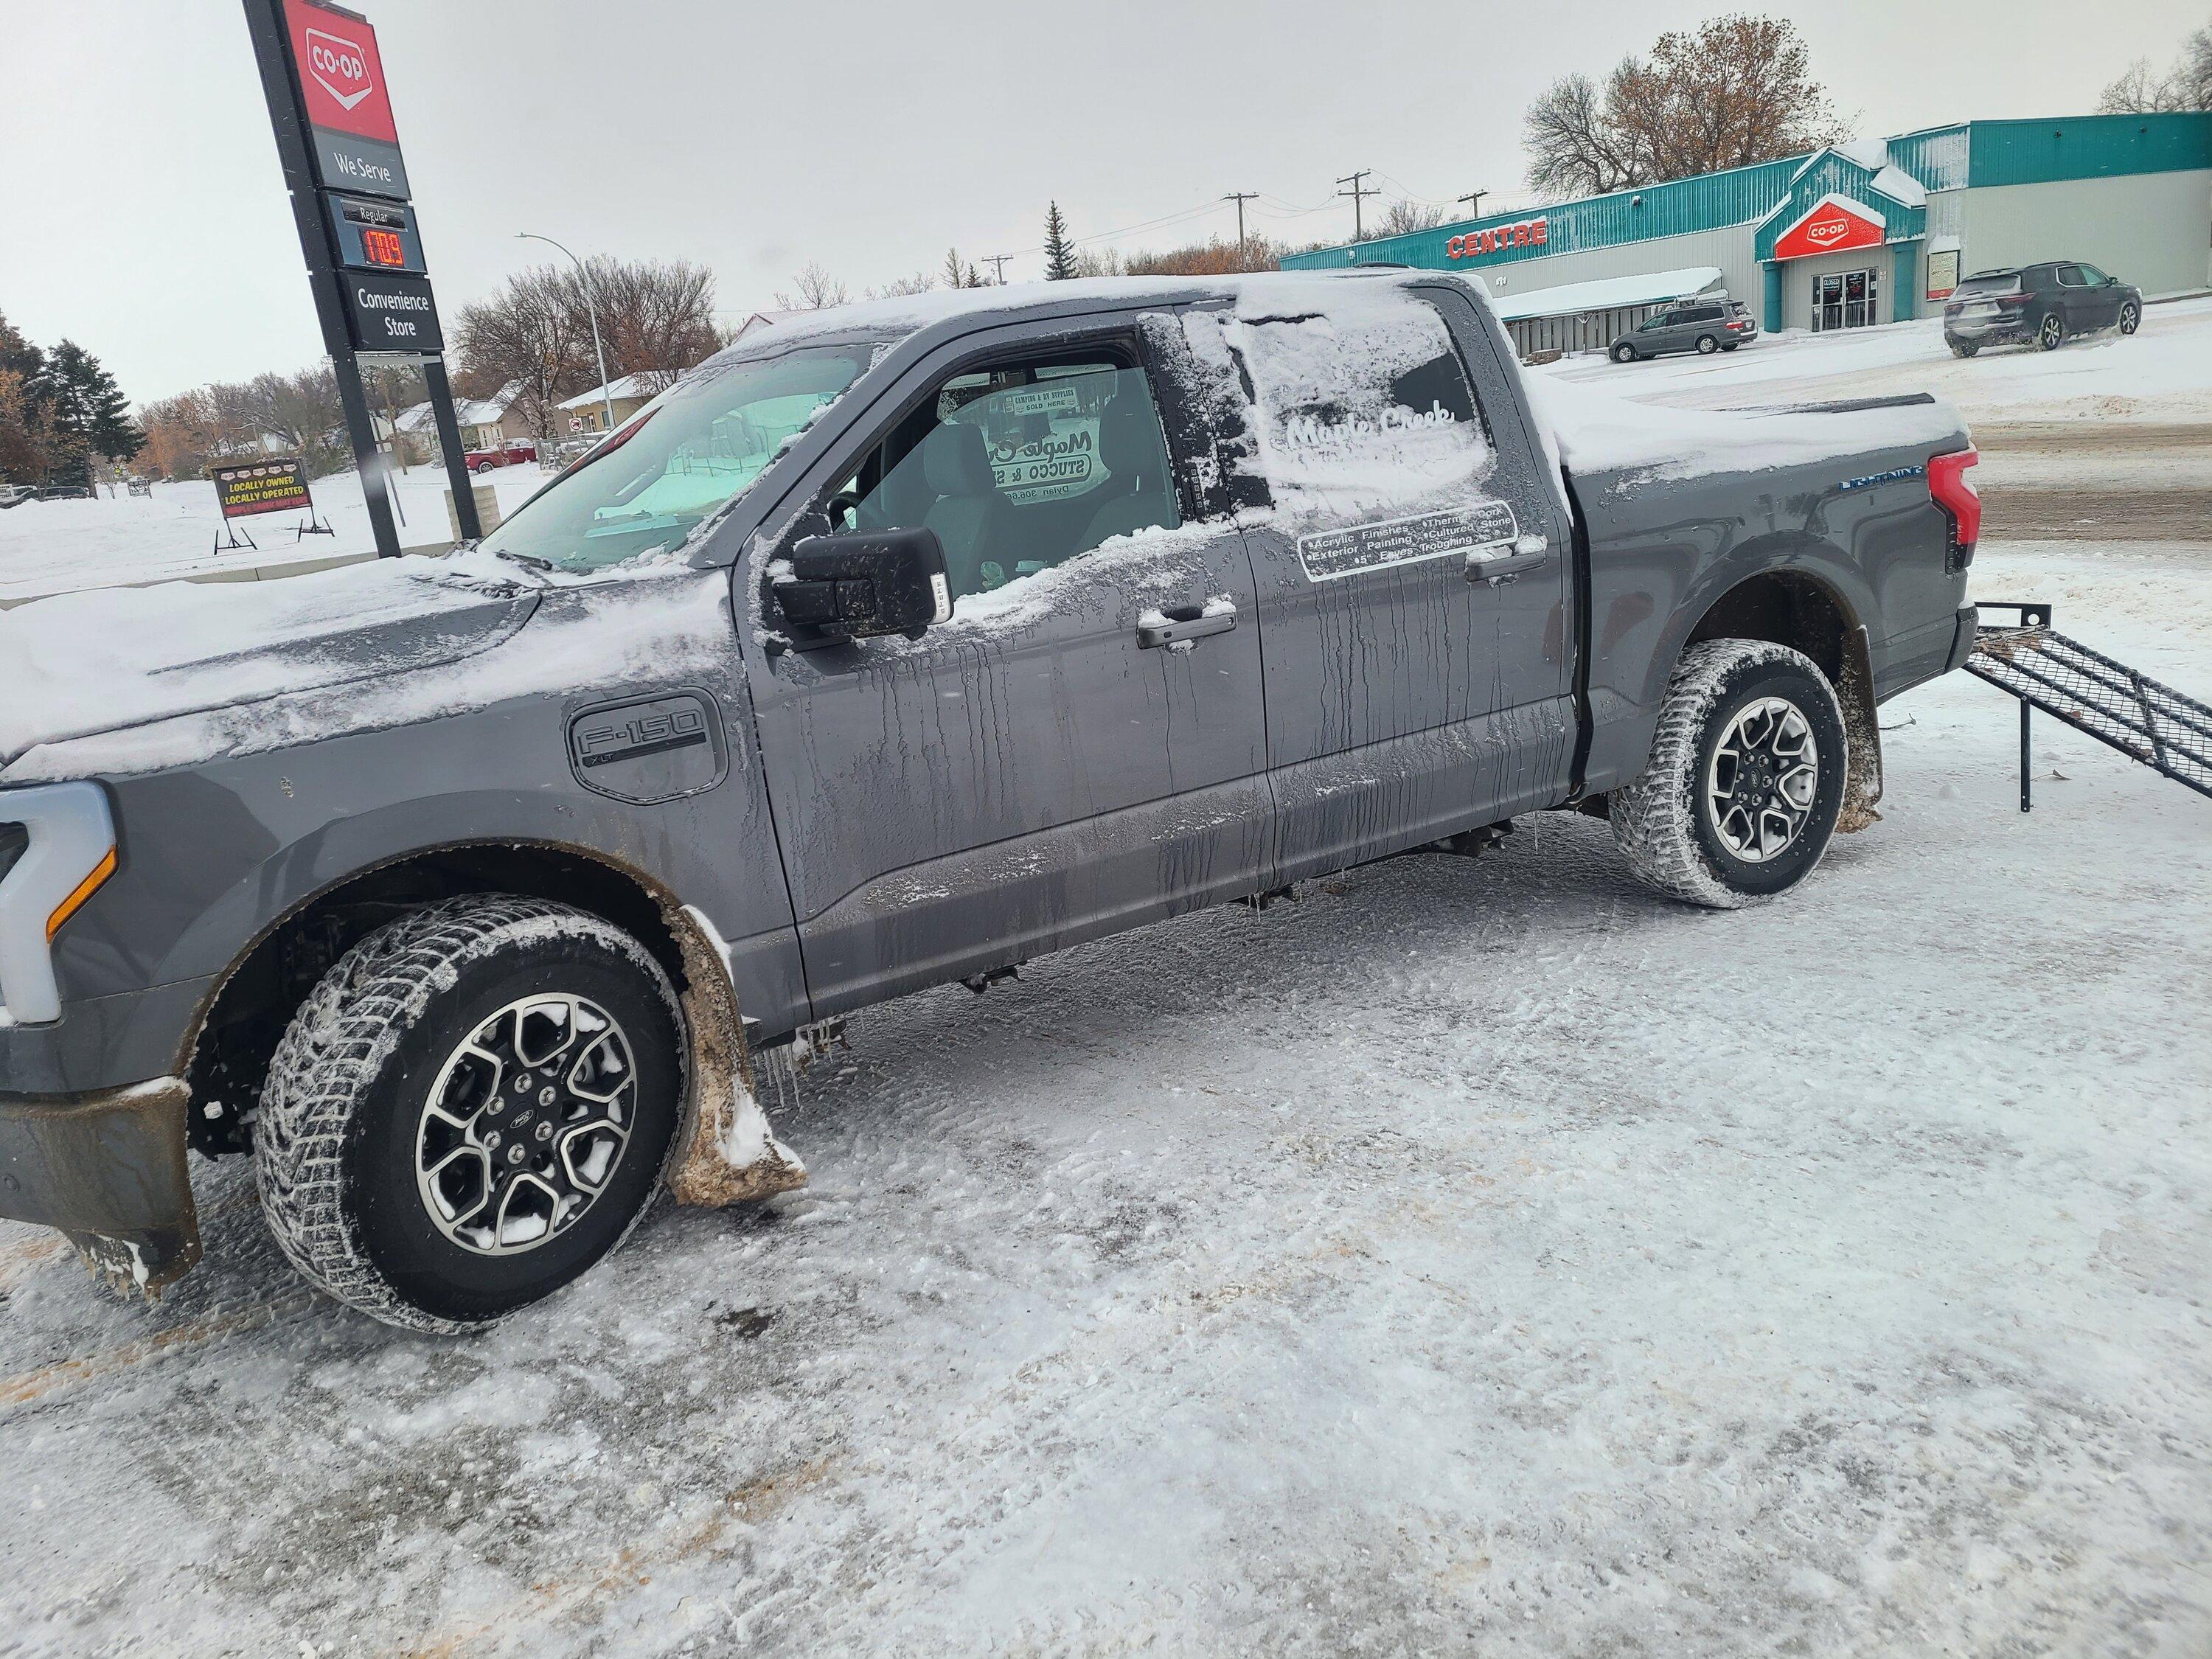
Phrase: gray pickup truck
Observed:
(894, 646)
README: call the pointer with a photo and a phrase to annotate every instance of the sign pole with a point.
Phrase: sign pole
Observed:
(279, 82)
(449, 440)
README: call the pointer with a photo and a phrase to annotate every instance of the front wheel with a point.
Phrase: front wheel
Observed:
(482, 467)
(2052, 332)
(1745, 779)
(1623, 353)
(2130, 317)
(471, 1109)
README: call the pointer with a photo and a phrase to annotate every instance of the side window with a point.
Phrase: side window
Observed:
(1020, 467)
(2071, 277)
(1363, 407)
(2091, 276)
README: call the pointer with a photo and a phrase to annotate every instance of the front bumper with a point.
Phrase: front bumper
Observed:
(108, 1170)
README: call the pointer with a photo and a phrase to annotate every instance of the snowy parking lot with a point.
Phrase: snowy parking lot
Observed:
(1472, 1255)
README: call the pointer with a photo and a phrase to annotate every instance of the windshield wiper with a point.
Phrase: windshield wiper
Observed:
(529, 559)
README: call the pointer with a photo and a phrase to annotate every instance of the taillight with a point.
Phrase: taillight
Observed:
(2013, 299)
(1949, 488)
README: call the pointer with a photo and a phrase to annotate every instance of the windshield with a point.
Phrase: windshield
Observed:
(699, 445)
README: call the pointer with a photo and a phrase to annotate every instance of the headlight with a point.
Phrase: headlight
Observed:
(68, 850)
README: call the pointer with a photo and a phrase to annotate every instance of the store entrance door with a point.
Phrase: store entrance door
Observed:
(1845, 299)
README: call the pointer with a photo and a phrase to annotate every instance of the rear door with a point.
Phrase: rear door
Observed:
(1054, 763)
(1385, 463)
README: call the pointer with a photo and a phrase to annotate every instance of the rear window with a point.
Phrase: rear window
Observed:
(2007, 282)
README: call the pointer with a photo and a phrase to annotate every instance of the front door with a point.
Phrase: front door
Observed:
(1846, 298)
(1081, 747)
(1405, 700)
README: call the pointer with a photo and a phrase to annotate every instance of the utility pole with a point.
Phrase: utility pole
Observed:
(1241, 197)
(1359, 229)
(1474, 200)
(998, 262)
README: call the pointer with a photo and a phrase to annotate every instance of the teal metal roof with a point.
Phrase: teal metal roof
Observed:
(2087, 147)
(1976, 153)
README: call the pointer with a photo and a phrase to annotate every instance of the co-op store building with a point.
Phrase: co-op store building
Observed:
(1877, 231)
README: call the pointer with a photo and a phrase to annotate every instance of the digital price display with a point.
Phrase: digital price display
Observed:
(376, 235)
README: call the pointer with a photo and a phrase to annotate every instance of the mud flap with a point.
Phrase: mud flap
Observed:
(726, 1152)
(108, 1173)
(1863, 733)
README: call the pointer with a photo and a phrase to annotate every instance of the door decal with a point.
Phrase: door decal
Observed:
(1333, 553)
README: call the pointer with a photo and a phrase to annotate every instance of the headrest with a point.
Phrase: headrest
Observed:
(955, 461)
(1129, 438)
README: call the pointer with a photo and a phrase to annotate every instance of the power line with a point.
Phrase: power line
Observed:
(1474, 200)
(998, 260)
(1358, 190)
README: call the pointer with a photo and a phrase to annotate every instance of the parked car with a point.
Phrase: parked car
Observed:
(16, 495)
(2047, 304)
(512, 454)
(1708, 324)
(459, 894)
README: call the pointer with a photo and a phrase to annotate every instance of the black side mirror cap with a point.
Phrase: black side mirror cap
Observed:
(860, 584)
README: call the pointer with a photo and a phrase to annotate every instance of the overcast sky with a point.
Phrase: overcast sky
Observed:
(142, 213)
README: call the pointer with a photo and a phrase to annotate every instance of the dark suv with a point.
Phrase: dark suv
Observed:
(1706, 325)
(2042, 303)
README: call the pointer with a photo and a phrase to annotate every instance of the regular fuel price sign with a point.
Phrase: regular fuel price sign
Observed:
(356, 145)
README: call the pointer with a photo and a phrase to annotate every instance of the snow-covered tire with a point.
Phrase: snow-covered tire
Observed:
(339, 1135)
(1667, 822)
(1962, 348)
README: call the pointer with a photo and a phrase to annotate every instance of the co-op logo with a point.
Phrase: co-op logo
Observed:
(1827, 232)
(340, 67)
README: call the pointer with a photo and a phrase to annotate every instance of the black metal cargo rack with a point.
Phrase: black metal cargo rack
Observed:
(2166, 730)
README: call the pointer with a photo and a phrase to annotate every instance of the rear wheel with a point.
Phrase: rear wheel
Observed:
(1708, 344)
(1731, 345)
(2130, 317)
(1961, 348)
(483, 467)
(470, 1110)
(2051, 332)
(1744, 781)
(1623, 353)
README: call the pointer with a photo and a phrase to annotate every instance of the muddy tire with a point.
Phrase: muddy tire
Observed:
(473, 1106)
(1962, 348)
(1745, 778)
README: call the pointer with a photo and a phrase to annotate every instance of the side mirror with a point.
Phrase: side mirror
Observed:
(862, 583)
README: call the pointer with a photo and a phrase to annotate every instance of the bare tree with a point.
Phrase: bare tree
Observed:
(2143, 91)
(957, 275)
(1406, 216)
(817, 291)
(1211, 258)
(921, 283)
(1736, 91)
(656, 317)
(532, 335)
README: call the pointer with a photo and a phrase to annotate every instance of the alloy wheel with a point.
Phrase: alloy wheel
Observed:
(2129, 317)
(2051, 333)
(525, 1124)
(1763, 779)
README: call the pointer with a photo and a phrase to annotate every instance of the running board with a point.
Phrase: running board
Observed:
(2145, 720)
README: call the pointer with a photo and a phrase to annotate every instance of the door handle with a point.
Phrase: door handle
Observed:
(1160, 628)
(1529, 553)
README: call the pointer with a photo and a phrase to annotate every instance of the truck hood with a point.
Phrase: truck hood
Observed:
(83, 664)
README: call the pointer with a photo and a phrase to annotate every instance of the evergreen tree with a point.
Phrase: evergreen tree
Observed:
(83, 405)
(22, 449)
(1059, 251)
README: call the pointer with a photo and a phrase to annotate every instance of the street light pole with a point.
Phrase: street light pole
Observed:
(592, 308)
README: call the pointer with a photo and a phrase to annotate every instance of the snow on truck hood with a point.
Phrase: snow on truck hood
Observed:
(106, 660)
(176, 675)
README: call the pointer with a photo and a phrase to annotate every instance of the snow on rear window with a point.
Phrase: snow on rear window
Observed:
(1359, 404)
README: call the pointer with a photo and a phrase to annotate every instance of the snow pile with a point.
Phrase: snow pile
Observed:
(1593, 433)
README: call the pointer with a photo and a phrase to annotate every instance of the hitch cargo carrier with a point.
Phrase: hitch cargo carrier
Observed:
(2166, 730)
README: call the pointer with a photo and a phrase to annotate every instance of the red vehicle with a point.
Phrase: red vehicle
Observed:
(483, 461)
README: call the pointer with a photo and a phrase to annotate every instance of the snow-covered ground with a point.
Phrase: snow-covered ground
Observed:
(1473, 1256)
(2163, 372)
(53, 547)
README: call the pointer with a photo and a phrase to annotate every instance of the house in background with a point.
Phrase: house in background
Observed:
(587, 410)
(491, 422)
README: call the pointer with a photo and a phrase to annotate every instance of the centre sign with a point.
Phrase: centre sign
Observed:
(1498, 239)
